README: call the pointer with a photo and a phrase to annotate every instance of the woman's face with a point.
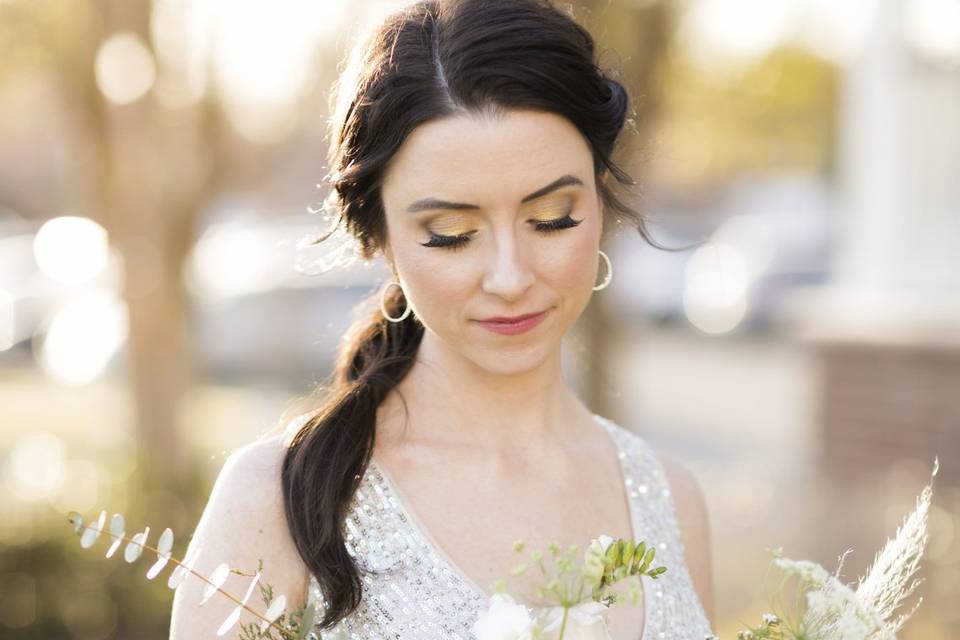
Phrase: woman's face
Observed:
(484, 184)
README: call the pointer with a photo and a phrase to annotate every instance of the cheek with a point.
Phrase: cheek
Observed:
(571, 264)
(435, 278)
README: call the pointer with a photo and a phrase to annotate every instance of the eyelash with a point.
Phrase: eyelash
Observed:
(456, 242)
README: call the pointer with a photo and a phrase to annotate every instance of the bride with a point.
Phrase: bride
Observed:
(472, 149)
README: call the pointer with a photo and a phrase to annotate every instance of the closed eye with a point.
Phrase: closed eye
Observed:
(458, 241)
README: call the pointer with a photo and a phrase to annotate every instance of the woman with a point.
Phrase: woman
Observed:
(472, 150)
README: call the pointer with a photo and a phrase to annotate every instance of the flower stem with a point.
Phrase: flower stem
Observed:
(563, 623)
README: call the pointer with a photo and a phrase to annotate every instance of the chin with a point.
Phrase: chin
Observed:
(513, 362)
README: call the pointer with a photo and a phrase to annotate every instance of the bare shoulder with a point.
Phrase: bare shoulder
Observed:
(242, 522)
(694, 522)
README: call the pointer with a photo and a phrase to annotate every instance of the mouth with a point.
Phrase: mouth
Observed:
(513, 325)
(509, 319)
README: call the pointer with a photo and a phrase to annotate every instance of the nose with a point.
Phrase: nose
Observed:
(508, 274)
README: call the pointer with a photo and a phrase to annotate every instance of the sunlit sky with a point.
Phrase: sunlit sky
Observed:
(262, 55)
(834, 29)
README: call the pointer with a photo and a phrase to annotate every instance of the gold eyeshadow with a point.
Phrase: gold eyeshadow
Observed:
(459, 223)
(450, 225)
(552, 210)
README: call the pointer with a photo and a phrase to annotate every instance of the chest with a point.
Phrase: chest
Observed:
(471, 522)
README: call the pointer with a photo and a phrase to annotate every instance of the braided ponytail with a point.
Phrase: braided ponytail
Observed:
(329, 454)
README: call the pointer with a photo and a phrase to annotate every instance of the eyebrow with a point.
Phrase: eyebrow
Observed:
(433, 203)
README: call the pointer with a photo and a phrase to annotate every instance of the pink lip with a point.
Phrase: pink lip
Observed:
(515, 325)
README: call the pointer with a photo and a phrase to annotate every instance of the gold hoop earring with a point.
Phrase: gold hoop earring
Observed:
(383, 308)
(608, 277)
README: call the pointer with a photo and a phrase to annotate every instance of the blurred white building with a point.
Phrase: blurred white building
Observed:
(888, 323)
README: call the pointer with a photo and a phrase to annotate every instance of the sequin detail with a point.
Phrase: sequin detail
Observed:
(411, 591)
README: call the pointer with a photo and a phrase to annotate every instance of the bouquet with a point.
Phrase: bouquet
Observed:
(574, 596)
(836, 611)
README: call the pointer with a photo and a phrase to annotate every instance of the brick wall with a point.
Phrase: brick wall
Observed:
(884, 402)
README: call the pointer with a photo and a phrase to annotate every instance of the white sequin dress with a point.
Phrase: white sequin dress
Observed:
(416, 593)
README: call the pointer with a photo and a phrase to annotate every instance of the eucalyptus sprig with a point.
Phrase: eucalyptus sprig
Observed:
(291, 625)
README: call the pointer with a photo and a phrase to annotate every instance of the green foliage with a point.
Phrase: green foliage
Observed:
(719, 122)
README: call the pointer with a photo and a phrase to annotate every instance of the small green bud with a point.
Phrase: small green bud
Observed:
(656, 572)
(647, 559)
(610, 557)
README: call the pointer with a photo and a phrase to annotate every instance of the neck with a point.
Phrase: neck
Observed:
(449, 399)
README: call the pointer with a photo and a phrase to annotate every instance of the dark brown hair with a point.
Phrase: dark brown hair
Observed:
(427, 61)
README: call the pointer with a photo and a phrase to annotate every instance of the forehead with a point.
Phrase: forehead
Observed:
(486, 159)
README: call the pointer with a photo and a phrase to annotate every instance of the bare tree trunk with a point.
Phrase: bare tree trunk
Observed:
(639, 33)
(150, 178)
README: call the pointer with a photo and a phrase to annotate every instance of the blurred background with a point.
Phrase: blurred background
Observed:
(159, 162)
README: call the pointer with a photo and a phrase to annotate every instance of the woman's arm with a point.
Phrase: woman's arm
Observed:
(694, 521)
(242, 521)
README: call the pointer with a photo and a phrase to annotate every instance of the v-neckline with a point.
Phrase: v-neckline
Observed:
(428, 541)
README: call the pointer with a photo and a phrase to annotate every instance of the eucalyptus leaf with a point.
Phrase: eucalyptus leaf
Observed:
(253, 583)
(117, 531)
(89, 537)
(217, 578)
(165, 543)
(230, 621)
(306, 623)
(182, 572)
(76, 519)
(235, 614)
(157, 566)
(117, 524)
(135, 546)
(93, 531)
(277, 605)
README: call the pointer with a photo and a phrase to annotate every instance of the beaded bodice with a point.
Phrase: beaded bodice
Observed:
(413, 591)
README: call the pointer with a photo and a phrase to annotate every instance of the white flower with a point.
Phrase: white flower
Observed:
(835, 612)
(504, 620)
(603, 541)
(808, 571)
(585, 621)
